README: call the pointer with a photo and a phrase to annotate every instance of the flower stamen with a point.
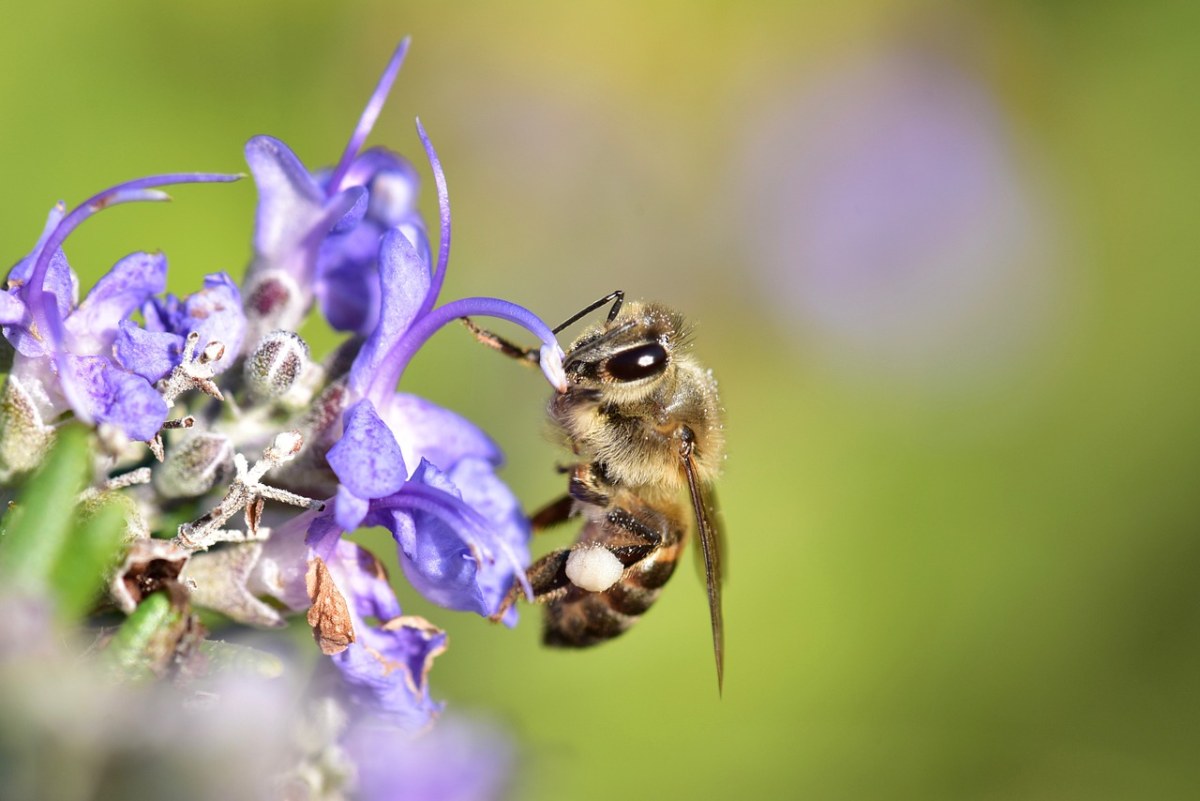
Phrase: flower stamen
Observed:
(246, 492)
(45, 315)
(194, 372)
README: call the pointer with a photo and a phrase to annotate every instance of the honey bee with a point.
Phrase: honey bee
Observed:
(643, 421)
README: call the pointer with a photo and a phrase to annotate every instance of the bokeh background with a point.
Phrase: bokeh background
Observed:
(941, 256)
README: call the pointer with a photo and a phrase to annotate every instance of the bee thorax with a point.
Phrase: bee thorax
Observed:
(593, 568)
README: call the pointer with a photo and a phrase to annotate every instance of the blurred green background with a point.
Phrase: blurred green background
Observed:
(942, 258)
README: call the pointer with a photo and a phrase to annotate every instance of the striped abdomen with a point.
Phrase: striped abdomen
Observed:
(581, 617)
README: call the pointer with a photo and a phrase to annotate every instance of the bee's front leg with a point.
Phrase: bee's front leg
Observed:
(552, 514)
(529, 356)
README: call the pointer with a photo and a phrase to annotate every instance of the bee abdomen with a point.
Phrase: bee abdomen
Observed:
(627, 598)
(585, 619)
(654, 573)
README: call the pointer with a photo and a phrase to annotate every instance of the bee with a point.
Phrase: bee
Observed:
(642, 419)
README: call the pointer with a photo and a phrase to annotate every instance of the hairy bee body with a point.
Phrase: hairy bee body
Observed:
(634, 438)
(642, 418)
(629, 478)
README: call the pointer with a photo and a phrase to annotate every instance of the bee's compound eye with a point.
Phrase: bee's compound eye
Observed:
(593, 568)
(642, 361)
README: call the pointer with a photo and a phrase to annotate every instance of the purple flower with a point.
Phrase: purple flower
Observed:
(317, 235)
(347, 278)
(386, 668)
(385, 664)
(214, 313)
(294, 216)
(457, 761)
(64, 349)
(423, 472)
(401, 458)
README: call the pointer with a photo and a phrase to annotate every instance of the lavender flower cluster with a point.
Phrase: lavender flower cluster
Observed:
(193, 409)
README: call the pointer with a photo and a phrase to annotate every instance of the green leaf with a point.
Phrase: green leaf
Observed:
(37, 530)
(227, 656)
(95, 548)
(147, 638)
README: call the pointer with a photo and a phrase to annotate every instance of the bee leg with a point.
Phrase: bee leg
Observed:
(552, 514)
(633, 540)
(589, 485)
(528, 356)
(548, 579)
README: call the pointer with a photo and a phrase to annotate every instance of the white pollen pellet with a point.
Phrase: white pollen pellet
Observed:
(593, 568)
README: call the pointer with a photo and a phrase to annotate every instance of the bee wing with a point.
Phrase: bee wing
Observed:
(717, 524)
(707, 521)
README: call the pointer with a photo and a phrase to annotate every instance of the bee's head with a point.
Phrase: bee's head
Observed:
(632, 352)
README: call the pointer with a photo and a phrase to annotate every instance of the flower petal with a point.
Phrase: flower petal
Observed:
(282, 565)
(292, 219)
(404, 279)
(364, 582)
(61, 285)
(215, 313)
(484, 492)
(119, 293)
(60, 279)
(455, 555)
(289, 200)
(367, 460)
(348, 279)
(387, 666)
(150, 354)
(101, 392)
(428, 431)
(349, 509)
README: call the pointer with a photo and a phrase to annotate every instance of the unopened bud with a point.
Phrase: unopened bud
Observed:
(272, 299)
(277, 362)
(285, 446)
(24, 438)
(213, 352)
(194, 466)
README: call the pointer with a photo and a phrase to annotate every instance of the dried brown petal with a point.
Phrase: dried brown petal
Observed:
(329, 615)
(428, 631)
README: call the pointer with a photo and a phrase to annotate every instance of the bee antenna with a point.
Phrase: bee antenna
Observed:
(616, 296)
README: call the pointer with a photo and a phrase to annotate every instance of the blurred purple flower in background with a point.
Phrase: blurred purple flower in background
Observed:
(894, 218)
(458, 761)
(75, 730)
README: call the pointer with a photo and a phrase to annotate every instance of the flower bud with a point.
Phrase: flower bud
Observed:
(213, 352)
(275, 365)
(285, 445)
(194, 466)
(273, 299)
(24, 438)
